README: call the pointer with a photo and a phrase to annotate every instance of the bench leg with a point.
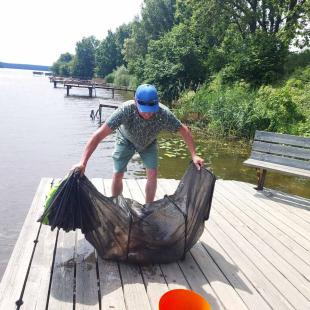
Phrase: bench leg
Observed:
(261, 175)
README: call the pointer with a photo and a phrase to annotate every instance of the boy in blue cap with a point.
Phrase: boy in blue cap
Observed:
(138, 122)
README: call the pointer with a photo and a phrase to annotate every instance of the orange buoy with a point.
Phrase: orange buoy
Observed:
(180, 299)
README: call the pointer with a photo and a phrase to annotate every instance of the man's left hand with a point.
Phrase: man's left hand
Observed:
(198, 161)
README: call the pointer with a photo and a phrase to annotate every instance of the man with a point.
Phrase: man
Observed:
(138, 122)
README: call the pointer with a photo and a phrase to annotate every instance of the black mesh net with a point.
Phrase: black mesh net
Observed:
(123, 229)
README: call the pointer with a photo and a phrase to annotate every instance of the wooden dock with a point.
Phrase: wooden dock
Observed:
(253, 254)
(92, 86)
(56, 80)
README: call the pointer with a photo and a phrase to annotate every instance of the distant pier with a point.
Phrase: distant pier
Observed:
(91, 85)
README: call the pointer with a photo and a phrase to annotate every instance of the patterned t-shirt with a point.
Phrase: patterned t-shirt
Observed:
(140, 132)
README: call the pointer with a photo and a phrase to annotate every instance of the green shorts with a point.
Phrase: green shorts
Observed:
(124, 150)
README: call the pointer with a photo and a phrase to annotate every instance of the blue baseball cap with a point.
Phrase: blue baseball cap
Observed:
(147, 98)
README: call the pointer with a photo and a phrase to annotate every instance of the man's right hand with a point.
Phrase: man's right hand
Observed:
(79, 167)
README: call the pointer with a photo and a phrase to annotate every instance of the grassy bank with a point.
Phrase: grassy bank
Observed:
(238, 110)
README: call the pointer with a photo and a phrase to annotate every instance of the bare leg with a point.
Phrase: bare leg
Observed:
(117, 183)
(151, 185)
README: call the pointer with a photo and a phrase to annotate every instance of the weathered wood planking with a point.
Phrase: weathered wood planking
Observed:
(111, 290)
(287, 154)
(253, 254)
(133, 286)
(277, 167)
(13, 279)
(63, 281)
(282, 138)
(152, 275)
(258, 227)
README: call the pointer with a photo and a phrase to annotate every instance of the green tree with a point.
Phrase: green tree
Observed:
(109, 53)
(258, 58)
(249, 38)
(174, 63)
(84, 60)
(106, 55)
(63, 66)
(157, 18)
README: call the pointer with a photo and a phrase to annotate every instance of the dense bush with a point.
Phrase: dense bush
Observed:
(225, 110)
(121, 77)
(239, 110)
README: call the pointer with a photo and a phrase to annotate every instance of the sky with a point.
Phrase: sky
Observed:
(38, 31)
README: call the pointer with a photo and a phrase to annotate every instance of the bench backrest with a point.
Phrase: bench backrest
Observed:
(288, 150)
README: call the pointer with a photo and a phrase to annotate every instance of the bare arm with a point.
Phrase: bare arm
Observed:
(188, 139)
(91, 145)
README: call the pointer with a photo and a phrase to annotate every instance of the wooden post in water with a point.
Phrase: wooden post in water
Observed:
(68, 87)
(106, 106)
(90, 90)
(113, 93)
(55, 84)
(100, 107)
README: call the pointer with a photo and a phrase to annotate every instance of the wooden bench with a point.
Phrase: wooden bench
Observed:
(279, 152)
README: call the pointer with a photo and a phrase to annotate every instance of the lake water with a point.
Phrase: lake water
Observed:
(43, 133)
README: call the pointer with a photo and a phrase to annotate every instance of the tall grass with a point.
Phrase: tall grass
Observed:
(122, 77)
(238, 110)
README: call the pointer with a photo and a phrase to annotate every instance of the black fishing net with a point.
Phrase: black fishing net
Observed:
(123, 229)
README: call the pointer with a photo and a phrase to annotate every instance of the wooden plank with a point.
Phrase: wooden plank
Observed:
(198, 282)
(134, 189)
(280, 160)
(278, 208)
(244, 199)
(221, 286)
(134, 289)
(282, 138)
(287, 289)
(63, 281)
(190, 269)
(295, 224)
(168, 187)
(258, 278)
(288, 227)
(265, 249)
(237, 208)
(278, 149)
(223, 289)
(296, 205)
(86, 275)
(101, 105)
(155, 283)
(247, 291)
(111, 290)
(277, 167)
(133, 285)
(152, 275)
(13, 278)
(172, 272)
(38, 284)
(252, 209)
(37, 289)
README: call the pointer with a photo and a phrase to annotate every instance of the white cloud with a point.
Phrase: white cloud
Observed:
(37, 32)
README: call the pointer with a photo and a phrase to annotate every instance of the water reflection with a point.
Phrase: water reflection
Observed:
(225, 158)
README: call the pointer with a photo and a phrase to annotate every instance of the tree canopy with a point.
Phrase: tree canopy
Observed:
(179, 44)
(84, 60)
